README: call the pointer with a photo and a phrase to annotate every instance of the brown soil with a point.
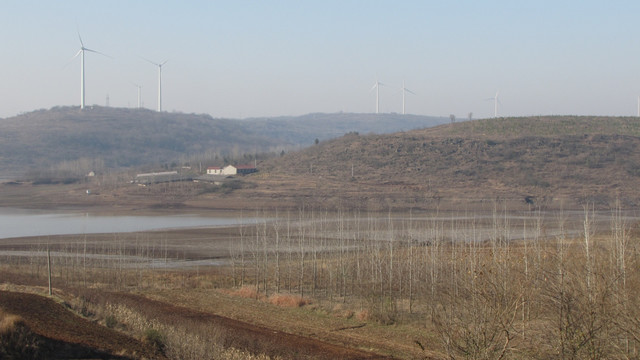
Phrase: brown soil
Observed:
(64, 335)
(81, 338)
(243, 335)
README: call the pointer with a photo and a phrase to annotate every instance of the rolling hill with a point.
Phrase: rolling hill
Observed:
(115, 137)
(559, 161)
(584, 159)
(118, 138)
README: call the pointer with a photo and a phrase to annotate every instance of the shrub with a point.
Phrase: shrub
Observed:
(363, 315)
(155, 339)
(286, 300)
(110, 321)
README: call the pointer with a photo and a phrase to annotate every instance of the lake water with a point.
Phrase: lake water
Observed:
(21, 223)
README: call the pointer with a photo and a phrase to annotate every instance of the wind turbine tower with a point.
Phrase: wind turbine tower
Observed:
(495, 104)
(377, 87)
(159, 65)
(405, 90)
(81, 53)
(139, 95)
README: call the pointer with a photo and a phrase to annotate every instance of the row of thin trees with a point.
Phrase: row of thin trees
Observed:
(538, 285)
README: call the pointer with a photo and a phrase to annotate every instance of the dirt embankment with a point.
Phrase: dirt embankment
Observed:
(238, 334)
(57, 333)
(66, 335)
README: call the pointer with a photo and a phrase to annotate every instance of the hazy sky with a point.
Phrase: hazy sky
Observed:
(266, 58)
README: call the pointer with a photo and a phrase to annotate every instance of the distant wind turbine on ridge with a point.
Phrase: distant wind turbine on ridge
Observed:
(159, 65)
(81, 53)
(139, 93)
(377, 87)
(495, 104)
(405, 90)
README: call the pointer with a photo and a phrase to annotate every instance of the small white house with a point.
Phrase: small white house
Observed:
(229, 170)
(238, 169)
(214, 170)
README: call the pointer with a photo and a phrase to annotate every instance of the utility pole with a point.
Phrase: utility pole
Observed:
(49, 268)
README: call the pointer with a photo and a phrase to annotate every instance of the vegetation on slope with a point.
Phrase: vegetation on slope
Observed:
(598, 158)
(107, 138)
(117, 137)
(543, 126)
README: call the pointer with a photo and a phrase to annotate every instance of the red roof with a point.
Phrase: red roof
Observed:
(214, 168)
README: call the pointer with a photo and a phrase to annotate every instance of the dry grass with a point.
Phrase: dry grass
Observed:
(9, 322)
(17, 341)
(288, 300)
(177, 341)
(363, 315)
(282, 300)
(247, 292)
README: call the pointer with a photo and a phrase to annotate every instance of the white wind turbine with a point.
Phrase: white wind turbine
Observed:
(495, 104)
(159, 65)
(139, 93)
(81, 53)
(377, 87)
(405, 90)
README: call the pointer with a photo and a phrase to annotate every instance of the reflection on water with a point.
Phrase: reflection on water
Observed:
(19, 223)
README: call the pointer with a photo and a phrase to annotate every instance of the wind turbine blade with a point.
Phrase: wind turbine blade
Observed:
(162, 63)
(103, 54)
(98, 52)
(409, 91)
(149, 61)
(80, 37)
(72, 58)
(374, 87)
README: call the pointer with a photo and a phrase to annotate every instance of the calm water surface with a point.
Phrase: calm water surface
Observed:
(20, 223)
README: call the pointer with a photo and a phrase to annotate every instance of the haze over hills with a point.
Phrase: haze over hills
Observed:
(305, 129)
(117, 137)
(588, 159)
